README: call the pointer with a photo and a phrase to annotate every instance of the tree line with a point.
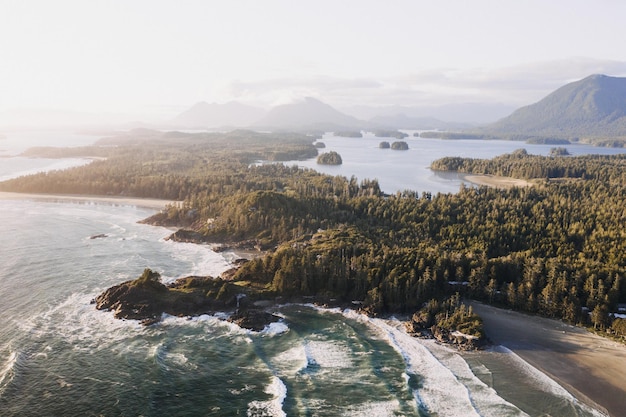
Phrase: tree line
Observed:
(555, 249)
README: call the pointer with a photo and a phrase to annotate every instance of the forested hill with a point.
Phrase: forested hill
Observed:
(555, 249)
(594, 107)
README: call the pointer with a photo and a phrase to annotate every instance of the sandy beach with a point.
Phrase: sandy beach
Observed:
(155, 204)
(590, 367)
(496, 181)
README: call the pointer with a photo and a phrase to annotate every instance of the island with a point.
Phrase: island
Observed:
(382, 133)
(400, 146)
(329, 158)
(349, 134)
(384, 145)
(560, 151)
(147, 299)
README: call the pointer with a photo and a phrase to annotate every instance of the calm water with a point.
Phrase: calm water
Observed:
(61, 357)
(409, 170)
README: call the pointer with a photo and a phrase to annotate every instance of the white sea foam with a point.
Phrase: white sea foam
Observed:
(330, 355)
(200, 259)
(485, 399)
(374, 408)
(290, 361)
(542, 381)
(276, 328)
(273, 407)
(442, 391)
(7, 371)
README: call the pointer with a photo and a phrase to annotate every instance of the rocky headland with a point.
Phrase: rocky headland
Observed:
(146, 299)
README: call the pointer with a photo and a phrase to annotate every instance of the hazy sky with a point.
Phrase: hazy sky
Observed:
(157, 56)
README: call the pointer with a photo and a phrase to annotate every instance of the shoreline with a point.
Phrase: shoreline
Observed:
(592, 368)
(151, 203)
(496, 181)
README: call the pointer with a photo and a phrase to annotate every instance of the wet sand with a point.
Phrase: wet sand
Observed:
(496, 181)
(151, 203)
(590, 367)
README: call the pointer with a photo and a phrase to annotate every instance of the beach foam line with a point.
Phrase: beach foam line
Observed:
(441, 392)
(447, 387)
(545, 383)
(484, 398)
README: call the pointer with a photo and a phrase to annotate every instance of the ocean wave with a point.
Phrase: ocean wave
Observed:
(329, 355)
(484, 398)
(374, 408)
(273, 407)
(275, 329)
(445, 387)
(200, 259)
(7, 371)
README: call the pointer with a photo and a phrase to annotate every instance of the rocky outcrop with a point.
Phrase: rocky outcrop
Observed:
(460, 340)
(253, 319)
(146, 299)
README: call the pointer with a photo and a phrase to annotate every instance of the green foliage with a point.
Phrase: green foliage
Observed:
(380, 133)
(384, 145)
(400, 146)
(549, 249)
(349, 134)
(560, 151)
(453, 135)
(449, 314)
(329, 158)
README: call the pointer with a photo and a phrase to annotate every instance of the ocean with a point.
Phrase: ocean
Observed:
(59, 356)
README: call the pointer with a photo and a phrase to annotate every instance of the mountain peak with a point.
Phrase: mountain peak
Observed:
(308, 113)
(593, 106)
(205, 115)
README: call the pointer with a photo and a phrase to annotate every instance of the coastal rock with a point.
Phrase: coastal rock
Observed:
(253, 319)
(187, 236)
(146, 298)
(458, 339)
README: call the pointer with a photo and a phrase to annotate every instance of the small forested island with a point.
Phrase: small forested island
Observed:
(453, 135)
(319, 145)
(384, 145)
(389, 134)
(349, 134)
(400, 146)
(553, 249)
(548, 141)
(560, 151)
(329, 158)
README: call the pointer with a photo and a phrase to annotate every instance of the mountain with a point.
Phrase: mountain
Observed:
(205, 115)
(456, 113)
(593, 106)
(309, 113)
(402, 121)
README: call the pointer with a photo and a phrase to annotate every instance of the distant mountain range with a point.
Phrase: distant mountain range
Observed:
(309, 113)
(231, 114)
(453, 114)
(592, 107)
(306, 114)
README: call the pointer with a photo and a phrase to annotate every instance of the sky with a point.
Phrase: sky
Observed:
(154, 58)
